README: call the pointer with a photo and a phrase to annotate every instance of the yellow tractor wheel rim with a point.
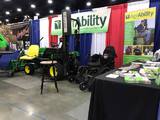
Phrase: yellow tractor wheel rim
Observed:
(27, 69)
(51, 71)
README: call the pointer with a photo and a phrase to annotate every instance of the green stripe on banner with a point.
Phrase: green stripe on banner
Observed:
(128, 58)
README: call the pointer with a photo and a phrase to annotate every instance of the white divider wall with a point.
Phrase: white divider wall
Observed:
(44, 32)
(133, 6)
(98, 43)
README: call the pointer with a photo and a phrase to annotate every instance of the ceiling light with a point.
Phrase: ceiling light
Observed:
(50, 1)
(7, 20)
(7, 0)
(7, 13)
(26, 16)
(19, 10)
(88, 4)
(37, 14)
(33, 6)
(51, 11)
(67, 8)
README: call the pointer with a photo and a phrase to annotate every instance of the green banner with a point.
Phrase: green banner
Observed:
(93, 21)
(139, 35)
(3, 42)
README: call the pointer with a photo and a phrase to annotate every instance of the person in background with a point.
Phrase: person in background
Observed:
(143, 31)
(137, 51)
(128, 50)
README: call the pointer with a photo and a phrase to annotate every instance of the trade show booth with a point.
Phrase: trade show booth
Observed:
(113, 52)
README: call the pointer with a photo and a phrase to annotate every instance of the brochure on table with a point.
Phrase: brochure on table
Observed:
(139, 73)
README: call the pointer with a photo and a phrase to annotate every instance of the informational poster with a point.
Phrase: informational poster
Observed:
(93, 21)
(139, 35)
(20, 35)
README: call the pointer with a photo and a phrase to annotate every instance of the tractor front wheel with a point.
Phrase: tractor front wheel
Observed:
(29, 69)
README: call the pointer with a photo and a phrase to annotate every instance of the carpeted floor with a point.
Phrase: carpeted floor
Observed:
(20, 99)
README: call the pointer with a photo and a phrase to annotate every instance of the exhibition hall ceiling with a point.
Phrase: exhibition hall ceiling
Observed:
(15, 10)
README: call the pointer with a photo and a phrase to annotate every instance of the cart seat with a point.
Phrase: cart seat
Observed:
(32, 53)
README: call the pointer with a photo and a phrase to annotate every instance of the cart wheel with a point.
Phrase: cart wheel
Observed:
(29, 69)
(83, 86)
(51, 73)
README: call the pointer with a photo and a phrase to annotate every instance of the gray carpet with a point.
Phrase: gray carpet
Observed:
(80, 112)
(21, 100)
(25, 82)
(9, 112)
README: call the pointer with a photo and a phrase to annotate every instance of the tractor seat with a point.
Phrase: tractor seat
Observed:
(32, 53)
(27, 57)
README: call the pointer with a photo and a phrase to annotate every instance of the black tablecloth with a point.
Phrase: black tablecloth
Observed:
(113, 99)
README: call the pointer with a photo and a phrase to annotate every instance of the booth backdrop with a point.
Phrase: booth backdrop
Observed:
(156, 3)
(34, 32)
(96, 43)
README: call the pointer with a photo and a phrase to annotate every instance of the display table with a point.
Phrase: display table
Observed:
(6, 52)
(10, 72)
(113, 99)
